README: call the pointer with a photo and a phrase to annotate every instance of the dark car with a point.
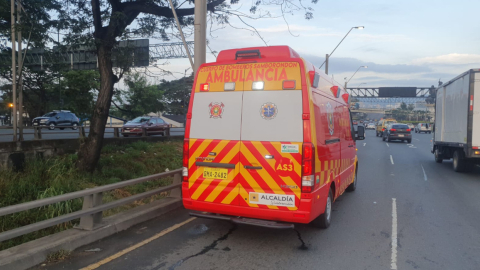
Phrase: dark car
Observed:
(60, 119)
(152, 125)
(397, 132)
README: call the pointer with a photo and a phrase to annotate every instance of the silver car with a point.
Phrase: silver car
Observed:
(423, 127)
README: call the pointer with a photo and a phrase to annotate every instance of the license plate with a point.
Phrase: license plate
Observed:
(126, 130)
(35, 124)
(215, 173)
(400, 135)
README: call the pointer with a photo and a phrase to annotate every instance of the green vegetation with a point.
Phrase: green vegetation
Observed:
(58, 256)
(56, 176)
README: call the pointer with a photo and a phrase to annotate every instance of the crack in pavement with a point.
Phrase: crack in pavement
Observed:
(205, 249)
(303, 246)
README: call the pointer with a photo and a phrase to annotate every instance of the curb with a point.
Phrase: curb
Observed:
(35, 252)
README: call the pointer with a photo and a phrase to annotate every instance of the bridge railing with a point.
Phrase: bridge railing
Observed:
(92, 210)
(116, 132)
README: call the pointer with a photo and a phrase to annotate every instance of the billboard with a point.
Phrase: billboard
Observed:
(397, 91)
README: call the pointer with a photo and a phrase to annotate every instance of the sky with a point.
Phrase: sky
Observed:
(404, 43)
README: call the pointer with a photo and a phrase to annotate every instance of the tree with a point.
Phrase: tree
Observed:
(403, 106)
(411, 107)
(140, 97)
(52, 89)
(176, 95)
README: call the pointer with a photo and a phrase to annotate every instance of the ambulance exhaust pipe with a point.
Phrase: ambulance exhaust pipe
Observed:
(246, 221)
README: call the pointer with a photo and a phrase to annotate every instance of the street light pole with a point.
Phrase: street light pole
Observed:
(14, 72)
(200, 36)
(354, 74)
(328, 55)
(20, 80)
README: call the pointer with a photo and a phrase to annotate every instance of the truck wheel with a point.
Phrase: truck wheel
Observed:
(409, 141)
(459, 162)
(438, 157)
(323, 221)
(353, 185)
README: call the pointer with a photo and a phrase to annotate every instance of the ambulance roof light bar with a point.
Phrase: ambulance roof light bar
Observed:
(247, 54)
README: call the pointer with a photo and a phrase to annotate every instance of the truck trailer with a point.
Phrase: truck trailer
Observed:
(457, 121)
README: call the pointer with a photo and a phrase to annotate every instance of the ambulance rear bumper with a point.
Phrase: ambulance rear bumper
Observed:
(246, 221)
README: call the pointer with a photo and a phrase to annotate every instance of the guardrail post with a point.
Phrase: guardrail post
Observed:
(37, 133)
(81, 132)
(144, 132)
(177, 193)
(91, 222)
(116, 133)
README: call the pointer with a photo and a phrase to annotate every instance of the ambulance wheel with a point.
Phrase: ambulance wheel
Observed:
(353, 185)
(323, 221)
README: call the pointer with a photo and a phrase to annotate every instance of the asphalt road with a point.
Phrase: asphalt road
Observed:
(408, 212)
(6, 135)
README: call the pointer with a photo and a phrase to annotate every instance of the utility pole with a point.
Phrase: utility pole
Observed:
(14, 73)
(20, 73)
(326, 64)
(200, 36)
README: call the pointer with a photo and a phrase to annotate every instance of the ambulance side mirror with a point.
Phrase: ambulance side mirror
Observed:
(360, 133)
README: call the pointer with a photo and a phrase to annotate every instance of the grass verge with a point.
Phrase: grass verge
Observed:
(56, 176)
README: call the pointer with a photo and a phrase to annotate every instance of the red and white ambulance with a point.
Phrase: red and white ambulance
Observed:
(269, 140)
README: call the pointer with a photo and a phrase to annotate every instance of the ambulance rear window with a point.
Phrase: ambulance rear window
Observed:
(216, 115)
(272, 116)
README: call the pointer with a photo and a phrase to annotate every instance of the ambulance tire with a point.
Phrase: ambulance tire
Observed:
(323, 221)
(353, 185)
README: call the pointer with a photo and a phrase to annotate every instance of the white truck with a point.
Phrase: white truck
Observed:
(457, 121)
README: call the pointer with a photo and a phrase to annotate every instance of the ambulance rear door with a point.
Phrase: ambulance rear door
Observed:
(214, 143)
(271, 137)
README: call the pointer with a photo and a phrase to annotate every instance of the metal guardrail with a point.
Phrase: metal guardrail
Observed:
(91, 213)
(80, 130)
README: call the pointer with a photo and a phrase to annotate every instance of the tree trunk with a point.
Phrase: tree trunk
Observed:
(90, 149)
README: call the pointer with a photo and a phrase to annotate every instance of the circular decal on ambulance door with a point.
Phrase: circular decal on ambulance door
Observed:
(268, 111)
(331, 126)
(216, 110)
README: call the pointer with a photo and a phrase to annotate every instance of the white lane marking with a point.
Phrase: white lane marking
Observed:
(424, 174)
(391, 159)
(388, 145)
(411, 146)
(416, 139)
(364, 144)
(394, 234)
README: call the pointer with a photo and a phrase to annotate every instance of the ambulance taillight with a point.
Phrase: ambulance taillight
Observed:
(308, 168)
(185, 159)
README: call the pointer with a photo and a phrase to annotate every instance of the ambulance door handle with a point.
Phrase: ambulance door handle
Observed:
(351, 145)
(253, 167)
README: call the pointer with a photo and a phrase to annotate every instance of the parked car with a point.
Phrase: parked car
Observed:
(60, 119)
(397, 132)
(370, 126)
(153, 126)
(423, 127)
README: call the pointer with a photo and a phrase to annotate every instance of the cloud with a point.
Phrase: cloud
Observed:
(341, 64)
(449, 59)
